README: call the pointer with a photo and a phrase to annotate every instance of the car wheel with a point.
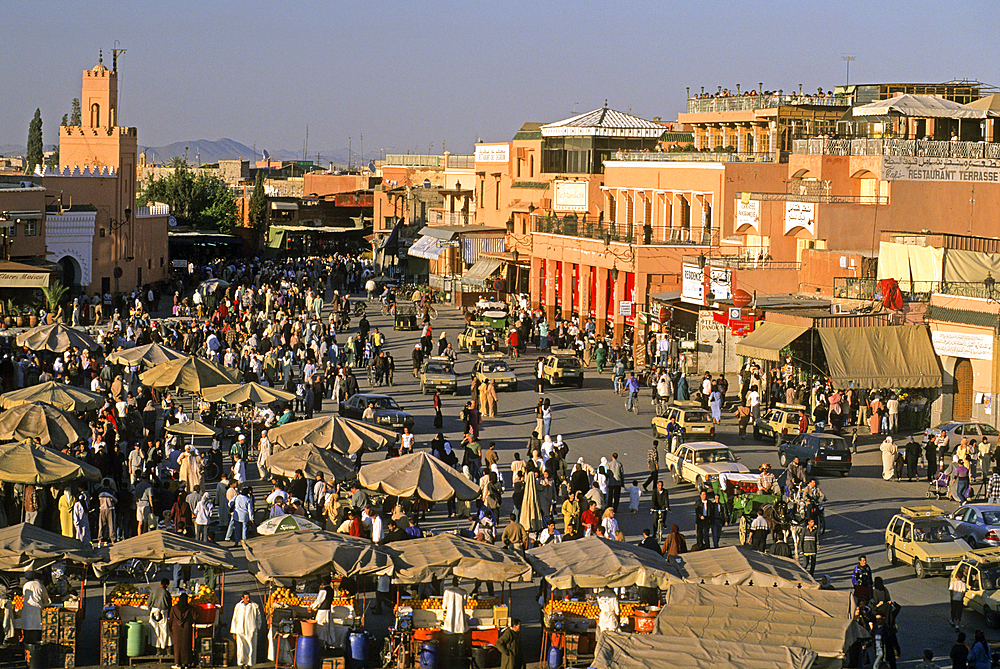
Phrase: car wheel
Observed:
(423, 389)
(674, 478)
(782, 459)
(656, 433)
(890, 555)
(845, 473)
(756, 434)
(992, 618)
(809, 466)
(698, 482)
(971, 540)
(579, 384)
(920, 569)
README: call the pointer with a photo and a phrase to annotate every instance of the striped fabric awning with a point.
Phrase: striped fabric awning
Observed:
(472, 246)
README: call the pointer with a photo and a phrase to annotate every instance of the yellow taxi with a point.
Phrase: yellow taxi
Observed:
(696, 423)
(492, 366)
(563, 368)
(920, 535)
(980, 569)
(438, 373)
(783, 419)
(474, 336)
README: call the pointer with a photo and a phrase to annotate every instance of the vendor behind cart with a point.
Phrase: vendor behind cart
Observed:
(321, 606)
(36, 598)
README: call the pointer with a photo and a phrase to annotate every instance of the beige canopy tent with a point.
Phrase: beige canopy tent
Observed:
(738, 565)
(990, 104)
(311, 460)
(27, 546)
(53, 426)
(918, 106)
(193, 428)
(418, 474)
(56, 338)
(191, 373)
(27, 462)
(148, 354)
(829, 603)
(163, 547)
(616, 650)
(444, 555)
(596, 562)
(237, 393)
(285, 556)
(344, 434)
(897, 356)
(767, 340)
(60, 395)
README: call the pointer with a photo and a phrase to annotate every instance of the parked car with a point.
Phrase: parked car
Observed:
(957, 429)
(921, 535)
(563, 368)
(697, 423)
(783, 420)
(978, 524)
(817, 451)
(387, 412)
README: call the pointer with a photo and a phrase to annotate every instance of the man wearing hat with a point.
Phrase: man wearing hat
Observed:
(246, 622)
(765, 480)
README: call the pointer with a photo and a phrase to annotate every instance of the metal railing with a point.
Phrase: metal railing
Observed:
(918, 148)
(820, 199)
(755, 257)
(698, 157)
(852, 288)
(751, 102)
(413, 160)
(590, 227)
(461, 161)
(451, 217)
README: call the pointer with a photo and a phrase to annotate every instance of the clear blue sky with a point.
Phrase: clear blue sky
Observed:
(409, 75)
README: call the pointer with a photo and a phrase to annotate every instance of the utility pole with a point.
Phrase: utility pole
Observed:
(848, 57)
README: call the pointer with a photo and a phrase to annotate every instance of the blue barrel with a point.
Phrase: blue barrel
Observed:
(358, 657)
(555, 657)
(307, 652)
(428, 655)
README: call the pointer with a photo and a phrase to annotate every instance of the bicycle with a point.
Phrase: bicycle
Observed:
(371, 375)
(659, 513)
(632, 402)
(388, 309)
(359, 308)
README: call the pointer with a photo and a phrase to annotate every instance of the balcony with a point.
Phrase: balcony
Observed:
(851, 288)
(455, 161)
(750, 257)
(697, 157)
(752, 102)
(590, 227)
(895, 147)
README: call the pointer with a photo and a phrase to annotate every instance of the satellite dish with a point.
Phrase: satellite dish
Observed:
(427, 183)
(172, 222)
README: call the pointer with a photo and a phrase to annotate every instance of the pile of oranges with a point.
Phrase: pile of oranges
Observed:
(129, 595)
(435, 603)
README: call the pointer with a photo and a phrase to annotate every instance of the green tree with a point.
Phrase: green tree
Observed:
(74, 114)
(65, 120)
(35, 151)
(200, 200)
(257, 206)
(54, 293)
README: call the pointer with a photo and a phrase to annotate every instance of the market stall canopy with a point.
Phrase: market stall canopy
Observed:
(617, 650)
(28, 546)
(918, 106)
(446, 555)
(193, 428)
(767, 340)
(285, 556)
(738, 565)
(56, 338)
(596, 562)
(829, 603)
(237, 393)
(212, 285)
(53, 426)
(163, 547)
(27, 462)
(287, 523)
(148, 354)
(418, 474)
(891, 356)
(59, 395)
(190, 373)
(311, 460)
(990, 104)
(344, 434)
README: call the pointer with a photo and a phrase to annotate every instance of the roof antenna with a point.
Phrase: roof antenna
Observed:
(605, 103)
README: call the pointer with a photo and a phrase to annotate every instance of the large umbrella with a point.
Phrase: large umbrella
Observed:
(420, 560)
(27, 462)
(212, 285)
(59, 395)
(311, 460)
(531, 511)
(344, 434)
(28, 546)
(164, 547)
(53, 426)
(418, 474)
(193, 428)
(149, 355)
(285, 556)
(596, 562)
(236, 393)
(56, 338)
(191, 373)
(287, 523)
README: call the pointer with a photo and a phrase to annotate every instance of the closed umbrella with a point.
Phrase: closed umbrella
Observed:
(149, 355)
(54, 427)
(287, 523)
(56, 338)
(344, 434)
(59, 395)
(418, 474)
(236, 393)
(311, 460)
(531, 510)
(28, 462)
(191, 373)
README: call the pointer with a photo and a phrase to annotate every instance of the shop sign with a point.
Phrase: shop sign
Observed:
(625, 307)
(748, 213)
(721, 278)
(692, 284)
(800, 215)
(963, 344)
(495, 153)
(912, 168)
(570, 196)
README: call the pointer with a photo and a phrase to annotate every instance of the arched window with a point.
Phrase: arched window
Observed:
(95, 115)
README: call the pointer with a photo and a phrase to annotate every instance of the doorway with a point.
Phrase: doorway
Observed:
(963, 390)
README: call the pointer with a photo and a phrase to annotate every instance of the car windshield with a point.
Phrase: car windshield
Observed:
(384, 403)
(439, 368)
(697, 417)
(991, 517)
(495, 366)
(934, 534)
(991, 578)
(714, 455)
(567, 363)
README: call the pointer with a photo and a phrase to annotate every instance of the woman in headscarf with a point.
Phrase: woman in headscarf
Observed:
(570, 510)
(601, 478)
(674, 543)
(180, 515)
(181, 622)
(81, 521)
(715, 404)
(489, 403)
(889, 451)
(190, 467)
(579, 480)
(438, 418)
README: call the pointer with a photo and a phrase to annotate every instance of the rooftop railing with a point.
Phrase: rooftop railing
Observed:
(636, 232)
(852, 288)
(697, 157)
(751, 102)
(918, 148)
